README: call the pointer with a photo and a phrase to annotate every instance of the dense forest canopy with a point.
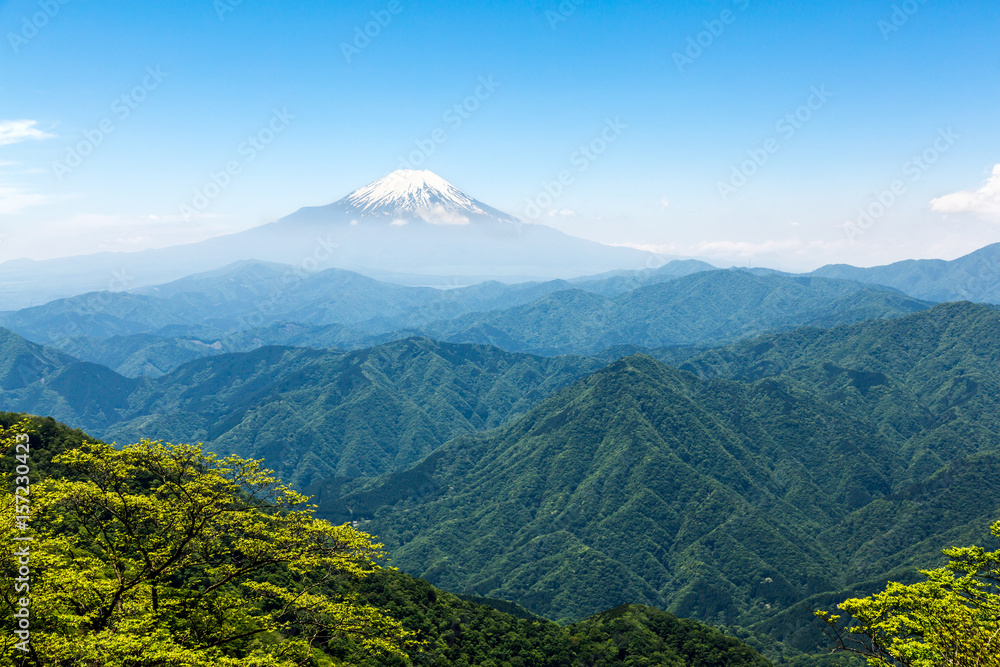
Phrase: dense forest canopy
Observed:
(156, 555)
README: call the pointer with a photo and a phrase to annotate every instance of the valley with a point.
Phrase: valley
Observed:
(736, 447)
(480, 334)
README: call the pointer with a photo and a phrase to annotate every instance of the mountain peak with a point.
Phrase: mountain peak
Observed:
(417, 193)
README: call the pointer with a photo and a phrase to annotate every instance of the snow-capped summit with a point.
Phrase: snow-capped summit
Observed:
(410, 194)
(411, 226)
(413, 221)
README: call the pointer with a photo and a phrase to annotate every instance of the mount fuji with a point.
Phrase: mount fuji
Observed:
(409, 192)
(410, 226)
(405, 196)
(415, 222)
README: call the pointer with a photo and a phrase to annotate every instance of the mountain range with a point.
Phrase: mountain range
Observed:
(249, 294)
(308, 413)
(615, 442)
(705, 308)
(253, 304)
(751, 485)
(973, 277)
(742, 486)
(448, 629)
(411, 225)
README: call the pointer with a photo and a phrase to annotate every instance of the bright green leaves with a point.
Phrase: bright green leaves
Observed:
(950, 620)
(163, 555)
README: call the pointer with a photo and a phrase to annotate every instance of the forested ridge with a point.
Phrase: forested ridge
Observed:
(744, 486)
(768, 479)
(384, 617)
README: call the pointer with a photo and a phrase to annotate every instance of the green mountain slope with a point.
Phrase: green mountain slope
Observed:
(23, 362)
(453, 631)
(137, 355)
(974, 277)
(619, 282)
(464, 633)
(636, 485)
(308, 413)
(930, 380)
(800, 468)
(254, 294)
(704, 308)
(39, 379)
(253, 304)
(153, 355)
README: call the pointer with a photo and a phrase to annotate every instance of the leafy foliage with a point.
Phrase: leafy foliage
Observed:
(459, 632)
(384, 617)
(952, 618)
(163, 555)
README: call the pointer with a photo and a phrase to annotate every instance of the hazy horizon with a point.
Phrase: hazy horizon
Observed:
(738, 132)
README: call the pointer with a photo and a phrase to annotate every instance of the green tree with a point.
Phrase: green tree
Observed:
(162, 555)
(952, 619)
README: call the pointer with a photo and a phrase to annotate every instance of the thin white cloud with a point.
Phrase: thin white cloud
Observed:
(438, 215)
(657, 248)
(14, 199)
(562, 213)
(984, 201)
(86, 233)
(134, 240)
(747, 248)
(16, 131)
(733, 249)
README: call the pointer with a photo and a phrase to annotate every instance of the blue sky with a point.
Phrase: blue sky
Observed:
(745, 131)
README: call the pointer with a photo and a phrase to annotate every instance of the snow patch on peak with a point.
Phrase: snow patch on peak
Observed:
(413, 193)
(407, 180)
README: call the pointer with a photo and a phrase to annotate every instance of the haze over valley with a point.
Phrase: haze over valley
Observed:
(549, 334)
